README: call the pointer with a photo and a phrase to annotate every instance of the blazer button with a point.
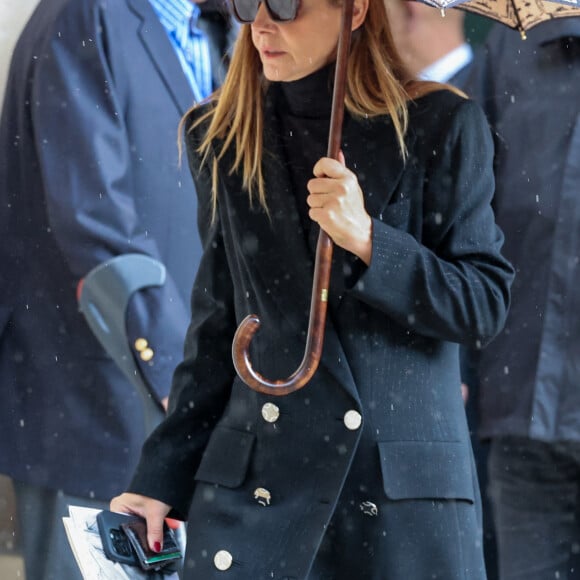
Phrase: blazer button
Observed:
(368, 508)
(270, 412)
(352, 420)
(142, 347)
(146, 354)
(263, 496)
(223, 560)
(141, 344)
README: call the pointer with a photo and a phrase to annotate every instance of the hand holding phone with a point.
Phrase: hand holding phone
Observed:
(124, 539)
(136, 532)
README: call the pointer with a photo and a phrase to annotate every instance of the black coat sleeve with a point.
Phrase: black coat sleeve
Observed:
(202, 382)
(450, 282)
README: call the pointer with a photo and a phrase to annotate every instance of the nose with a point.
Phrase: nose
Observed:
(263, 19)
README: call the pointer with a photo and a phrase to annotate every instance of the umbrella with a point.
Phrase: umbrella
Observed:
(518, 14)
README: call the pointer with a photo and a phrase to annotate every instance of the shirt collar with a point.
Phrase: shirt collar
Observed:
(174, 13)
(449, 65)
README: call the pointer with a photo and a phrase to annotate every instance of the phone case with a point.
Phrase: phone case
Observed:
(116, 545)
(136, 532)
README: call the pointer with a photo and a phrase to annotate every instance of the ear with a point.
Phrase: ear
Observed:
(359, 13)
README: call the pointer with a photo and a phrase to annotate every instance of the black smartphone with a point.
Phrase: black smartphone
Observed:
(124, 539)
(136, 532)
(116, 544)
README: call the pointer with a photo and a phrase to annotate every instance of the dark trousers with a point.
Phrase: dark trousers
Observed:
(535, 492)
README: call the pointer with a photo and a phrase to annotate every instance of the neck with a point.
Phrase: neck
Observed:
(310, 96)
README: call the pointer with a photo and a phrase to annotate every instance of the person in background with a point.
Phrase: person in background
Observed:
(89, 170)
(367, 472)
(529, 377)
(432, 46)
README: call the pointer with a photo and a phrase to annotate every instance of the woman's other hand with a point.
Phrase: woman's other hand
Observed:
(154, 511)
(336, 203)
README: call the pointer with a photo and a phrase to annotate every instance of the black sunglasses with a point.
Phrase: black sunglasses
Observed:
(279, 10)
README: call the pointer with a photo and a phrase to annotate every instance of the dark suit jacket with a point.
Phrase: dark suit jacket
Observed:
(88, 170)
(390, 353)
(530, 376)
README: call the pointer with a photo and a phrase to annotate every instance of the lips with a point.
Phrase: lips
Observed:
(270, 53)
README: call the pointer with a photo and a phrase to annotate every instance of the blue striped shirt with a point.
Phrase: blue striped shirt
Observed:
(179, 18)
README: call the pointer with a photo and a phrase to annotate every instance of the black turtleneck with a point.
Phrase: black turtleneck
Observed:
(303, 108)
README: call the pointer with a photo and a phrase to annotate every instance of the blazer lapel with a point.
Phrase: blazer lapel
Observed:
(158, 46)
(372, 153)
(379, 174)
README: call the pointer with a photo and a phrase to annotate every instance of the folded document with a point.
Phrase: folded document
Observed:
(85, 541)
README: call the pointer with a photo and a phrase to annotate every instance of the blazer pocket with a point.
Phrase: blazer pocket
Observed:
(226, 458)
(426, 470)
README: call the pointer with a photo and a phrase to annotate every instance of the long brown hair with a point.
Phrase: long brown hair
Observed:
(377, 84)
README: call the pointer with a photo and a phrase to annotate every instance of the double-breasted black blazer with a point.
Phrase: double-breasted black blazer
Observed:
(260, 476)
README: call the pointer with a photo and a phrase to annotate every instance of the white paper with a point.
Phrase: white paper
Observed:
(83, 536)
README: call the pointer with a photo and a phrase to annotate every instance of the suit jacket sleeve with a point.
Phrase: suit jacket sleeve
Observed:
(203, 381)
(452, 283)
(86, 163)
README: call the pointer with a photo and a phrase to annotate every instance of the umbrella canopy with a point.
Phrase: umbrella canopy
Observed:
(519, 14)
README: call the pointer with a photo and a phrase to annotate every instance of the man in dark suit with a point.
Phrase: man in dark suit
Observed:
(529, 398)
(89, 170)
(432, 47)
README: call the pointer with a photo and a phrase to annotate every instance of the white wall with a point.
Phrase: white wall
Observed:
(13, 16)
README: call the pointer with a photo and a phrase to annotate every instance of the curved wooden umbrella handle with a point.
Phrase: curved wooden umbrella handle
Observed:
(323, 262)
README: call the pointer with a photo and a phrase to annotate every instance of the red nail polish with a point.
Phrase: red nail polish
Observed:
(157, 547)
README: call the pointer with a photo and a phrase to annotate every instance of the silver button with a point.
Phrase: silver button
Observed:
(352, 420)
(263, 496)
(223, 560)
(270, 412)
(368, 508)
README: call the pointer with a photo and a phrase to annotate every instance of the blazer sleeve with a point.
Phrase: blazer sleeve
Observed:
(452, 283)
(84, 149)
(203, 381)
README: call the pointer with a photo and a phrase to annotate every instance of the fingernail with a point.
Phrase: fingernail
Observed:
(157, 547)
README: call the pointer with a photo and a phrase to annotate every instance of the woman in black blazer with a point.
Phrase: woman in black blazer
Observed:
(367, 472)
